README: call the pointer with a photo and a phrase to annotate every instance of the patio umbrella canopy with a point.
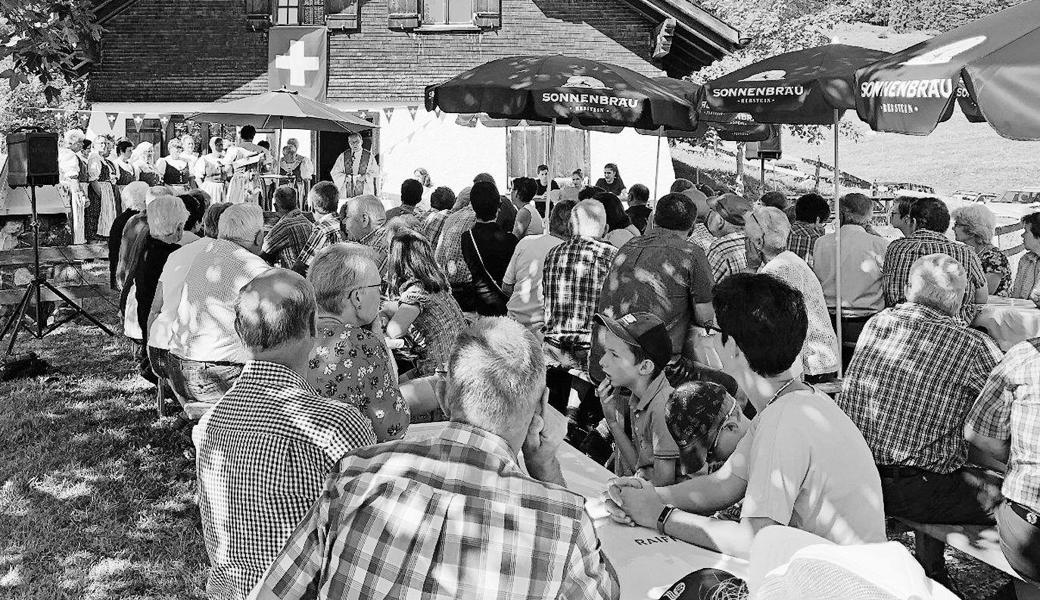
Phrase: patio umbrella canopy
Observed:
(996, 58)
(800, 87)
(282, 109)
(561, 89)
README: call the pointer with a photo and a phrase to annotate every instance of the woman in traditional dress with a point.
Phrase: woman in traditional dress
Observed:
(210, 171)
(75, 178)
(296, 168)
(245, 163)
(102, 192)
(125, 172)
(423, 177)
(142, 160)
(174, 167)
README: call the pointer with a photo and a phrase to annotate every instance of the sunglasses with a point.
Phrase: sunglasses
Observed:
(711, 451)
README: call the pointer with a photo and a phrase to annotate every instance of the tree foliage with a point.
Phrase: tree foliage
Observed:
(941, 15)
(25, 106)
(47, 41)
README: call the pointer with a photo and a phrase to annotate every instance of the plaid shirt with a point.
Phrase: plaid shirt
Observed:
(803, 239)
(287, 238)
(1009, 408)
(915, 374)
(903, 252)
(264, 452)
(379, 241)
(448, 251)
(572, 278)
(728, 255)
(452, 517)
(433, 224)
(702, 237)
(326, 232)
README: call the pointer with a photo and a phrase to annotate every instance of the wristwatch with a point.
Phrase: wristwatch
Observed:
(663, 517)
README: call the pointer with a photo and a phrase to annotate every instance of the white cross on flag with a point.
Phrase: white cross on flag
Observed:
(297, 59)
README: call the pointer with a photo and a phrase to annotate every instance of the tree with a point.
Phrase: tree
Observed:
(47, 41)
(25, 105)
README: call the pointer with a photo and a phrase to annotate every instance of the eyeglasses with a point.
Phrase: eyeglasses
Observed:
(366, 287)
(711, 451)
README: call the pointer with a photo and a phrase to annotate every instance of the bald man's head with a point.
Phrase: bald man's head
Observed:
(363, 215)
(275, 309)
(937, 281)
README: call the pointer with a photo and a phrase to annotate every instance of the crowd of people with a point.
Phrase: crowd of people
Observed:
(685, 338)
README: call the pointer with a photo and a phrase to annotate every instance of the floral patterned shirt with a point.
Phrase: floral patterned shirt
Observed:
(994, 261)
(349, 364)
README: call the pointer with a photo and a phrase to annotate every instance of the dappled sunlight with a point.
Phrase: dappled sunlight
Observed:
(11, 578)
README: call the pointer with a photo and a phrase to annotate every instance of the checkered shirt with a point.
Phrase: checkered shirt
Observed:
(903, 252)
(433, 224)
(702, 237)
(326, 232)
(287, 238)
(1009, 408)
(263, 453)
(379, 241)
(451, 517)
(448, 251)
(915, 374)
(728, 255)
(572, 279)
(803, 239)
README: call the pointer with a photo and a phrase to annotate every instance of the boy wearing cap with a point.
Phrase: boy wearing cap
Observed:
(636, 350)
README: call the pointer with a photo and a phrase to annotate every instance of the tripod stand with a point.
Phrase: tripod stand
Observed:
(33, 291)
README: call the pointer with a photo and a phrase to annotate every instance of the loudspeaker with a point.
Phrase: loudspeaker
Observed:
(32, 158)
(768, 149)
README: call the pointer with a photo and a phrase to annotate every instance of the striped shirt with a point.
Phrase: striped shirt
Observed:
(451, 517)
(1008, 408)
(264, 452)
(287, 238)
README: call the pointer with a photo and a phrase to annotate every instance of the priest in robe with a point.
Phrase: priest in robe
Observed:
(356, 171)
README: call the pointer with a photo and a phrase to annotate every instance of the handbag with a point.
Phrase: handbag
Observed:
(494, 298)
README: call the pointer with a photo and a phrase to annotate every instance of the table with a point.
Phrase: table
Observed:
(646, 562)
(1009, 321)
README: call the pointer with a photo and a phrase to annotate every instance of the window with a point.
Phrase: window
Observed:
(447, 12)
(528, 147)
(287, 12)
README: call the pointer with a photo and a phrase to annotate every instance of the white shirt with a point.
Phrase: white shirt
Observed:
(820, 350)
(807, 465)
(172, 280)
(524, 273)
(862, 259)
(204, 329)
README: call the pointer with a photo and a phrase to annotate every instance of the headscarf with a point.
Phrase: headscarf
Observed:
(213, 144)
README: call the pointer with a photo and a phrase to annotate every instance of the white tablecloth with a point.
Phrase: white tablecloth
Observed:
(646, 562)
(1009, 322)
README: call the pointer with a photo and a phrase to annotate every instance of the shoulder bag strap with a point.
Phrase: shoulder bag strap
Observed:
(482, 265)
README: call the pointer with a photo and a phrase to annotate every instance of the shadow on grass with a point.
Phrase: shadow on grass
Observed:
(96, 496)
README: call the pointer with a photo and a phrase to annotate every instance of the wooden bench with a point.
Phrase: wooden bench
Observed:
(74, 292)
(981, 542)
(53, 255)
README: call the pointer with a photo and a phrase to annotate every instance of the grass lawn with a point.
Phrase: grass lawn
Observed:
(96, 496)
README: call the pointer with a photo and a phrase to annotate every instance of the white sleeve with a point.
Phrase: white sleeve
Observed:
(94, 167)
(198, 169)
(68, 164)
(338, 174)
(306, 169)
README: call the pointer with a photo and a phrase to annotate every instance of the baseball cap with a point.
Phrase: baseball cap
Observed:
(732, 208)
(706, 583)
(788, 564)
(641, 329)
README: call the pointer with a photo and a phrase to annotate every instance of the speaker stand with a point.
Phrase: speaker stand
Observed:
(33, 291)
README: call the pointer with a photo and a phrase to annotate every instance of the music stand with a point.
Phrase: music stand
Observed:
(33, 289)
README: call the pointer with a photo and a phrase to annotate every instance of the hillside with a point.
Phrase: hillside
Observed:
(958, 155)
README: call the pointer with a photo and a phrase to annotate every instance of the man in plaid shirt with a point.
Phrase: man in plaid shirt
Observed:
(728, 253)
(265, 449)
(572, 278)
(364, 221)
(455, 516)
(811, 212)
(1004, 426)
(324, 198)
(914, 376)
(928, 221)
(290, 234)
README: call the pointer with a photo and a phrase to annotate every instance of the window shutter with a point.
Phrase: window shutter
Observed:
(404, 14)
(260, 13)
(343, 14)
(487, 14)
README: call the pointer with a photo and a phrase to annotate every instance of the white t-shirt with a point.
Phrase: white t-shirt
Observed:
(807, 465)
(524, 273)
(172, 280)
(204, 329)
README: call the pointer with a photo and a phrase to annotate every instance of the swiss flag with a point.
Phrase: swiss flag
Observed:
(297, 59)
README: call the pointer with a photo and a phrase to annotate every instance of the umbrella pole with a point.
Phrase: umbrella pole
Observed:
(837, 244)
(657, 161)
(552, 168)
(762, 175)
